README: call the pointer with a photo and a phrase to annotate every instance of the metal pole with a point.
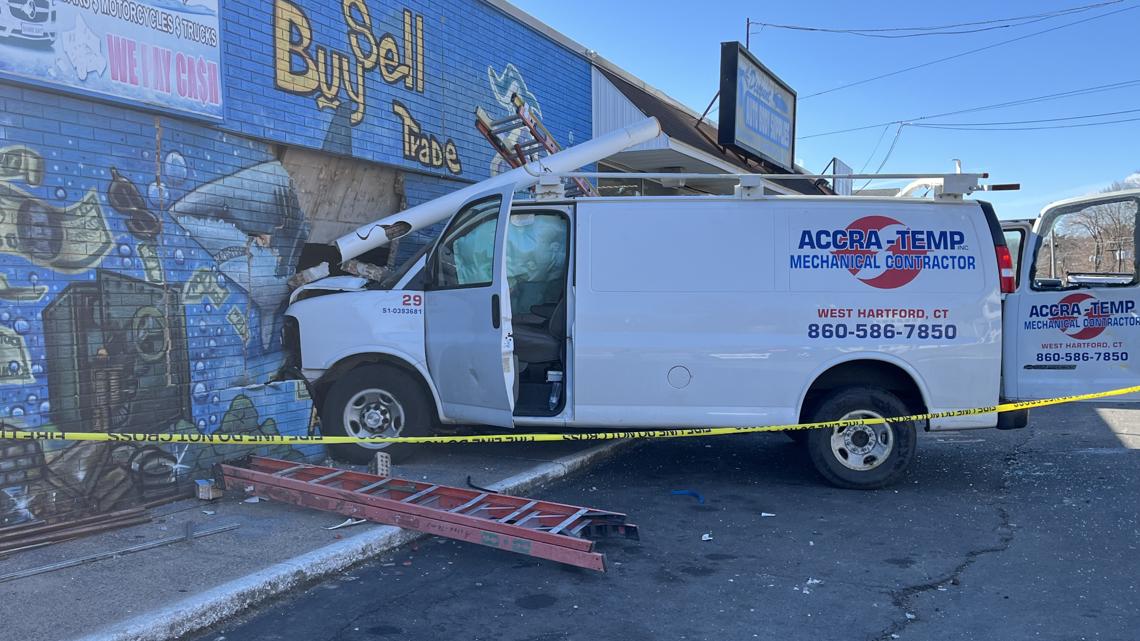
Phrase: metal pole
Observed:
(1052, 257)
(747, 32)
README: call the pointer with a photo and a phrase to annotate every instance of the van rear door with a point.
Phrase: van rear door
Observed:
(467, 314)
(1072, 325)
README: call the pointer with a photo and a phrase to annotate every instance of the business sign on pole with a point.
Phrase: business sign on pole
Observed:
(757, 109)
(159, 53)
(842, 186)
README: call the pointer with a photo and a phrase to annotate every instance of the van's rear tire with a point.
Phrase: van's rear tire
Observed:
(862, 457)
(376, 400)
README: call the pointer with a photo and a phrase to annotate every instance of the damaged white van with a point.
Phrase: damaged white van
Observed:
(600, 313)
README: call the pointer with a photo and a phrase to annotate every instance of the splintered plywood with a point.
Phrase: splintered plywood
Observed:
(339, 194)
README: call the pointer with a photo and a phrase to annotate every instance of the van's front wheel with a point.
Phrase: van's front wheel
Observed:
(375, 401)
(862, 457)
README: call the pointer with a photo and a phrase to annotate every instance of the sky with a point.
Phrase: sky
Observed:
(675, 47)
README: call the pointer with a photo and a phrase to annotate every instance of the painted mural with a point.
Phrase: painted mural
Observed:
(398, 83)
(334, 78)
(140, 291)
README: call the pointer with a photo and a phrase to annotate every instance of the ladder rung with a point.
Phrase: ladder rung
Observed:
(581, 526)
(331, 475)
(367, 488)
(518, 512)
(460, 508)
(533, 515)
(513, 120)
(570, 519)
(289, 470)
(423, 492)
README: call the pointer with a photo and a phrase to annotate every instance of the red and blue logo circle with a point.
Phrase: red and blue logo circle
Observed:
(881, 274)
(1083, 326)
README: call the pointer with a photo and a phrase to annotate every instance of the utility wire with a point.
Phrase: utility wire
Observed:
(949, 29)
(890, 150)
(878, 142)
(999, 105)
(966, 53)
(1038, 128)
(1025, 122)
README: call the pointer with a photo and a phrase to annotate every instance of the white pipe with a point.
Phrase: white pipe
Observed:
(697, 176)
(922, 183)
(378, 233)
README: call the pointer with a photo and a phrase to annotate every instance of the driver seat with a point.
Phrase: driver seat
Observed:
(542, 344)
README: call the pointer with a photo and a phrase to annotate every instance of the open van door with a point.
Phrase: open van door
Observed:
(467, 313)
(1016, 234)
(1072, 326)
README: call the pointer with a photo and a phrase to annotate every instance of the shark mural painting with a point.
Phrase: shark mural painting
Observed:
(251, 223)
(139, 292)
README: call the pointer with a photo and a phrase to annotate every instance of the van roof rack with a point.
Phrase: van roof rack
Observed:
(951, 186)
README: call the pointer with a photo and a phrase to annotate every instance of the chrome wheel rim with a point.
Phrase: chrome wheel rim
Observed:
(371, 413)
(862, 447)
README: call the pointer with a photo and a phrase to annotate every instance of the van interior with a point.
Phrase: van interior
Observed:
(538, 257)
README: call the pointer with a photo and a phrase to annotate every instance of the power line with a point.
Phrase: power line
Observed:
(1025, 122)
(1010, 103)
(949, 29)
(965, 53)
(890, 150)
(1039, 128)
(877, 143)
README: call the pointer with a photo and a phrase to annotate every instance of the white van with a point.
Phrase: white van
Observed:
(713, 311)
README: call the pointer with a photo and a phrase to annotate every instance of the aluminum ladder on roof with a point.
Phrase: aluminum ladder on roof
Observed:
(534, 139)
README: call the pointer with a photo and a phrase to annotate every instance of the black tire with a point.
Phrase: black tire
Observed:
(891, 449)
(377, 381)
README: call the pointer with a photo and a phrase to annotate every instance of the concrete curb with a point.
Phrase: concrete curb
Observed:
(215, 605)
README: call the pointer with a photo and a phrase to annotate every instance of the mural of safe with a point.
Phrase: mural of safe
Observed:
(142, 265)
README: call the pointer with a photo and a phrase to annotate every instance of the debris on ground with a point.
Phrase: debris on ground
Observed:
(349, 522)
(696, 495)
(765, 515)
(26, 536)
(707, 536)
(91, 558)
(207, 489)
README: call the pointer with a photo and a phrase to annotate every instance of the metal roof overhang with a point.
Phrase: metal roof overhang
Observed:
(678, 157)
(614, 107)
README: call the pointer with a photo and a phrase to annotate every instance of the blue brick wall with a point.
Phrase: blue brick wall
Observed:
(141, 285)
(473, 55)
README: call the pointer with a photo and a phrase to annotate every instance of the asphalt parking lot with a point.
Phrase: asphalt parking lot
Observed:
(1031, 534)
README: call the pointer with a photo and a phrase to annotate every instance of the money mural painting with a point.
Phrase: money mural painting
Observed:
(140, 291)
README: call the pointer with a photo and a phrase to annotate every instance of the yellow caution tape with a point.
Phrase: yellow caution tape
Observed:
(266, 439)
